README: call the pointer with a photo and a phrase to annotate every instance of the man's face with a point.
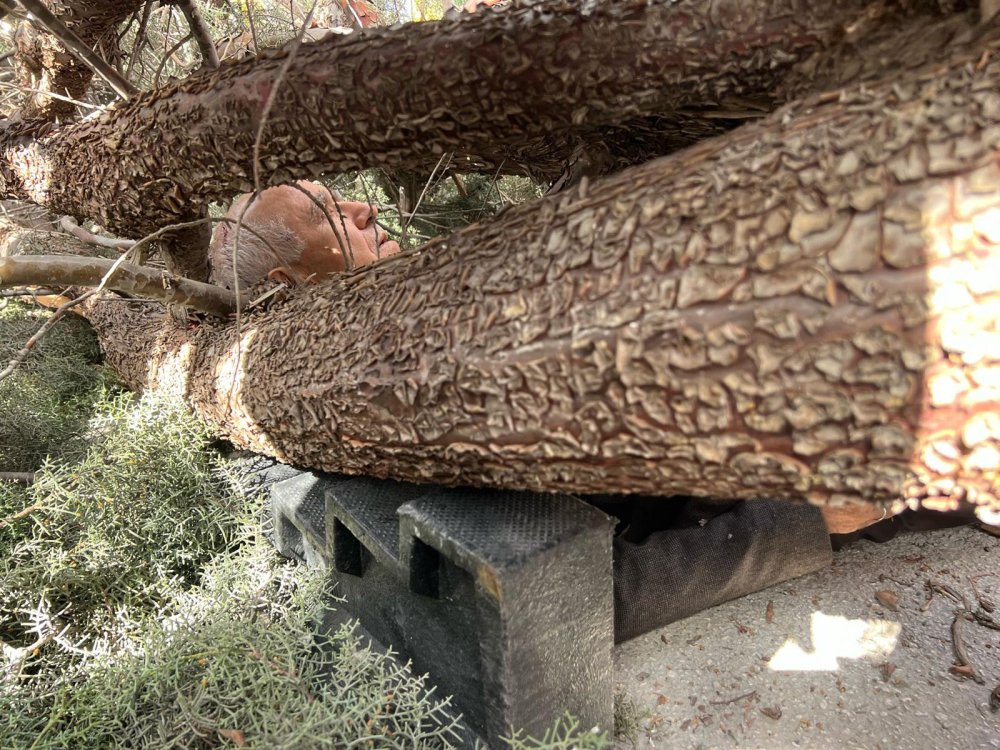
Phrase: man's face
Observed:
(353, 235)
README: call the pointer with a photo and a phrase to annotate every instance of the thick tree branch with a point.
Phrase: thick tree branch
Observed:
(63, 271)
(81, 50)
(42, 57)
(535, 85)
(202, 34)
(806, 307)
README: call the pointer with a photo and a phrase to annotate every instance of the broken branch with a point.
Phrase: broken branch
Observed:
(154, 283)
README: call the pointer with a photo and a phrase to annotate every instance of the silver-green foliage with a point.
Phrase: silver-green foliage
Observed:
(566, 734)
(46, 402)
(137, 513)
(237, 661)
(140, 606)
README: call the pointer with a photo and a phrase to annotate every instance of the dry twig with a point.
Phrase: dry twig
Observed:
(751, 695)
(345, 245)
(67, 224)
(24, 512)
(964, 666)
(416, 206)
(21, 477)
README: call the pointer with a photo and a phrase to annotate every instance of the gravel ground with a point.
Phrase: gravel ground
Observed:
(850, 657)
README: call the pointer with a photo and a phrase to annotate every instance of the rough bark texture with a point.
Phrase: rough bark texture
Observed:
(808, 306)
(46, 65)
(527, 88)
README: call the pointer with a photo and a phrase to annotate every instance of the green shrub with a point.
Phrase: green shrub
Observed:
(566, 734)
(46, 403)
(140, 512)
(141, 606)
(235, 663)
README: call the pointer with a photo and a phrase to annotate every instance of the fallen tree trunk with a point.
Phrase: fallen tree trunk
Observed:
(527, 89)
(806, 307)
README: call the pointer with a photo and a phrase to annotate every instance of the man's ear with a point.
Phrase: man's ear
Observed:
(282, 275)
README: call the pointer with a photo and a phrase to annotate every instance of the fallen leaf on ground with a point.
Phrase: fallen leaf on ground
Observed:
(235, 736)
(771, 712)
(769, 615)
(740, 627)
(888, 599)
(887, 669)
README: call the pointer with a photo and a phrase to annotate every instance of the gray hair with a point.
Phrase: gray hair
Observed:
(256, 256)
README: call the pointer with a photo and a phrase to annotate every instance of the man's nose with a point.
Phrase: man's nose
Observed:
(362, 214)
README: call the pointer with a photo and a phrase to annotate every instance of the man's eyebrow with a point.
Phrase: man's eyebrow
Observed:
(315, 212)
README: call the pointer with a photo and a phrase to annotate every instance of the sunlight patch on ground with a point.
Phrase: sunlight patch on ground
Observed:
(834, 638)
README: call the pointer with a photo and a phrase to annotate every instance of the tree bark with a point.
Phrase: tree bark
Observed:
(805, 307)
(46, 65)
(526, 89)
(147, 282)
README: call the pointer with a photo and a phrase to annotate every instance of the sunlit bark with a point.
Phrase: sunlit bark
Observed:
(805, 307)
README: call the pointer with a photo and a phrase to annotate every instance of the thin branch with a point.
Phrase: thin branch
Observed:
(67, 224)
(201, 33)
(253, 28)
(354, 14)
(275, 87)
(141, 40)
(411, 214)
(129, 278)
(486, 197)
(52, 94)
(166, 58)
(48, 20)
(264, 116)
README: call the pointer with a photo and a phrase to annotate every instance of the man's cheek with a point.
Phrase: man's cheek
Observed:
(388, 248)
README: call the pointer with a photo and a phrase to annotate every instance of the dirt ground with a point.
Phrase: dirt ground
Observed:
(850, 657)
